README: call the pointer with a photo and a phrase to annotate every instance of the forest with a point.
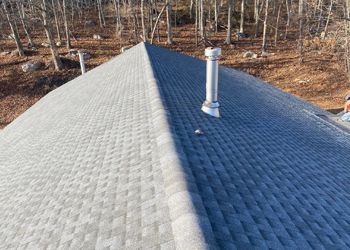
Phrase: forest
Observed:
(300, 46)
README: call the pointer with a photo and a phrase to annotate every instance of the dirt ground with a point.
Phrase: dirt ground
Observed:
(320, 80)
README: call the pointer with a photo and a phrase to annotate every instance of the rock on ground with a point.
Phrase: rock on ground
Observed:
(31, 66)
(46, 45)
(242, 35)
(60, 43)
(73, 52)
(97, 37)
(264, 54)
(90, 23)
(250, 54)
(15, 52)
(4, 53)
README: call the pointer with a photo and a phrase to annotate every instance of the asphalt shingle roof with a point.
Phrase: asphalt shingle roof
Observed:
(111, 160)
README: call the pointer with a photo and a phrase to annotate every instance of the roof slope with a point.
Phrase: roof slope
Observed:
(111, 160)
(81, 168)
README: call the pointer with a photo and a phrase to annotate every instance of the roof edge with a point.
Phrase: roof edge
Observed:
(186, 223)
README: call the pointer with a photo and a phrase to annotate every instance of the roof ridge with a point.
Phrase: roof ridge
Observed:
(185, 221)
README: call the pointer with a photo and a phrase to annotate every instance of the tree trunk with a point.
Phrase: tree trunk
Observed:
(118, 18)
(175, 17)
(288, 19)
(168, 21)
(256, 16)
(265, 25)
(13, 29)
(241, 27)
(301, 31)
(47, 26)
(24, 23)
(229, 21)
(216, 15)
(144, 38)
(196, 24)
(158, 33)
(101, 14)
(320, 16)
(328, 18)
(68, 42)
(201, 23)
(191, 9)
(56, 20)
(277, 23)
(133, 14)
(156, 23)
(346, 25)
(72, 9)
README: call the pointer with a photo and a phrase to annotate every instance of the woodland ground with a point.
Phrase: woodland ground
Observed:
(319, 80)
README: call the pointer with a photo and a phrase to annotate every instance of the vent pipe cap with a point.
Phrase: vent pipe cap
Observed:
(213, 53)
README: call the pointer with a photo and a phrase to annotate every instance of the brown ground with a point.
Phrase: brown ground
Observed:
(320, 80)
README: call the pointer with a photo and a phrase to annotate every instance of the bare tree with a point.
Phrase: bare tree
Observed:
(241, 28)
(157, 21)
(229, 21)
(301, 31)
(347, 44)
(56, 20)
(256, 16)
(13, 28)
(264, 45)
(320, 17)
(288, 20)
(101, 14)
(328, 19)
(118, 17)
(168, 21)
(47, 26)
(191, 8)
(23, 19)
(142, 19)
(144, 37)
(196, 24)
(277, 23)
(133, 14)
(201, 20)
(68, 42)
(216, 15)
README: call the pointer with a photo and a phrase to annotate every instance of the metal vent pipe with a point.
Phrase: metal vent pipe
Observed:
(211, 104)
(82, 63)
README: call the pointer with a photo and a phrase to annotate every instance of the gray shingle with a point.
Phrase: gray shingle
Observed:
(270, 173)
(81, 168)
(110, 161)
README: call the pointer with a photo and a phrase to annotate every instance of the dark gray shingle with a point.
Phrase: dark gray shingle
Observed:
(269, 173)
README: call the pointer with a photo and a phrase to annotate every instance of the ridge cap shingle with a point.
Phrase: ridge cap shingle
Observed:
(186, 222)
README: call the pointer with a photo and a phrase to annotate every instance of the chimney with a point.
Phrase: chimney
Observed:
(211, 105)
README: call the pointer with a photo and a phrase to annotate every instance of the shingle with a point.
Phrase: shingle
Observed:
(83, 162)
(266, 158)
(110, 161)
